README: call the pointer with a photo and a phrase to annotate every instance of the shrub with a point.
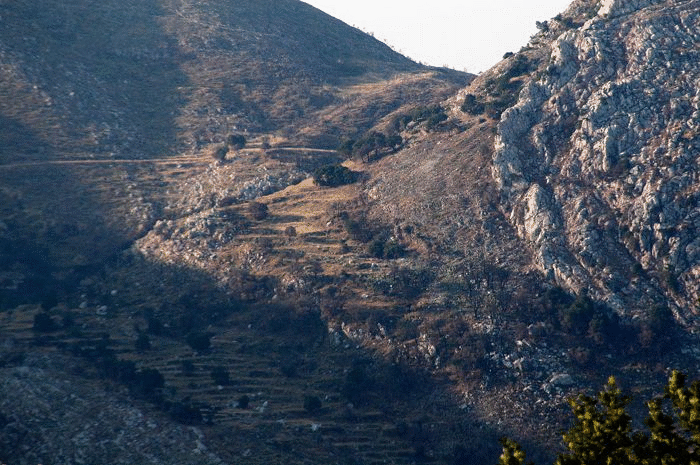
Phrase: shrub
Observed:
(155, 326)
(43, 323)
(235, 141)
(434, 120)
(346, 147)
(199, 341)
(143, 342)
(603, 430)
(219, 152)
(188, 368)
(220, 376)
(335, 175)
(405, 282)
(243, 402)
(373, 144)
(185, 413)
(312, 404)
(388, 249)
(148, 383)
(577, 317)
(357, 227)
(258, 210)
(357, 382)
(472, 105)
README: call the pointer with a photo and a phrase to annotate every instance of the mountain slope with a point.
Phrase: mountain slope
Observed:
(157, 78)
(528, 238)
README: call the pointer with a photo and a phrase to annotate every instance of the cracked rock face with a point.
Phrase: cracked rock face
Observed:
(597, 162)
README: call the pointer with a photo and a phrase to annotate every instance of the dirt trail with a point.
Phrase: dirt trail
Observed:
(157, 161)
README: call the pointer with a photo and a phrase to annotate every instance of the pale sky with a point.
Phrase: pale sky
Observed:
(469, 35)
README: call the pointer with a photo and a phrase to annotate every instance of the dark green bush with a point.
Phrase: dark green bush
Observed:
(388, 249)
(357, 227)
(358, 382)
(372, 145)
(258, 210)
(472, 105)
(188, 368)
(577, 317)
(185, 414)
(312, 404)
(143, 342)
(155, 326)
(235, 141)
(148, 383)
(243, 401)
(43, 323)
(434, 120)
(199, 341)
(346, 147)
(220, 376)
(335, 175)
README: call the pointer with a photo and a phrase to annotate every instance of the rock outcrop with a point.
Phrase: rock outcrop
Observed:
(597, 162)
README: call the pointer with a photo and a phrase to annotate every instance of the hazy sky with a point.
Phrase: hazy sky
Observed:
(471, 35)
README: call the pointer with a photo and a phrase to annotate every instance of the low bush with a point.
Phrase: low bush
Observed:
(143, 342)
(199, 341)
(312, 404)
(220, 376)
(387, 249)
(472, 105)
(258, 210)
(335, 175)
(44, 323)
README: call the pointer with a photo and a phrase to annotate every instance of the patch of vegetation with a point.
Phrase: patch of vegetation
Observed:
(472, 105)
(357, 227)
(243, 402)
(258, 210)
(505, 88)
(220, 376)
(185, 413)
(44, 323)
(603, 431)
(143, 342)
(199, 341)
(371, 146)
(430, 116)
(404, 282)
(235, 141)
(386, 248)
(335, 175)
(312, 404)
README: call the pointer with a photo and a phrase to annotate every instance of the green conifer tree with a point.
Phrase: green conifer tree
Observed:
(602, 432)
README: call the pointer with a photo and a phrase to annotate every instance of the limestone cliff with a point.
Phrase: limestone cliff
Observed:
(597, 162)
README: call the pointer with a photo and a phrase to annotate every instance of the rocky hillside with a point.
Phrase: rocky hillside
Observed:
(159, 80)
(533, 232)
(596, 163)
